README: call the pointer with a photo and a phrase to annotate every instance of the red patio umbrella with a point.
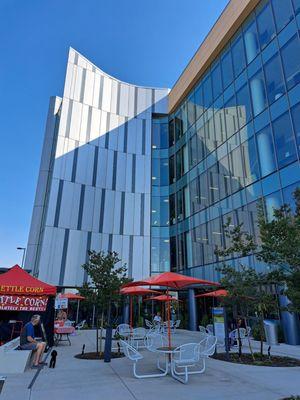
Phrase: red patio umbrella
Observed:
(215, 293)
(170, 280)
(135, 291)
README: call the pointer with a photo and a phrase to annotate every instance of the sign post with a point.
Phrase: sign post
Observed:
(61, 303)
(220, 326)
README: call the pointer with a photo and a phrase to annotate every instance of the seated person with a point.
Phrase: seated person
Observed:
(62, 315)
(28, 342)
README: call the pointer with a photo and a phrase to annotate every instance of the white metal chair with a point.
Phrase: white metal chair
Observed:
(123, 330)
(176, 324)
(185, 357)
(152, 342)
(80, 325)
(210, 329)
(137, 337)
(192, 356)
(234, 335)
(148, 324)
(133, 355)
(202, 329)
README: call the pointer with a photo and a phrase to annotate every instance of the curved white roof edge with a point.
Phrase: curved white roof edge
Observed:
(113, 77)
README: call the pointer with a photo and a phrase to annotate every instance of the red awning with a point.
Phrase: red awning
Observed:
(19, 282)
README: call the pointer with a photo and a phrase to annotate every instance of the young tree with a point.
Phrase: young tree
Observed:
(247, 289)
(280, 238)
(106, 280)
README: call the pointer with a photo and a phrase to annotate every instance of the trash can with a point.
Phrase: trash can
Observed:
(271, 332)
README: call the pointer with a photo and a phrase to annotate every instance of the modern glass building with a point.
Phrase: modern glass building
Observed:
(154, 174)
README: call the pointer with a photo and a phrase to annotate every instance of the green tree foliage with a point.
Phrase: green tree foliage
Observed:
(247, 289)
(106, 281)
(280, 246)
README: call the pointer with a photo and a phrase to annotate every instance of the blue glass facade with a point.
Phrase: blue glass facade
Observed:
(234, 140)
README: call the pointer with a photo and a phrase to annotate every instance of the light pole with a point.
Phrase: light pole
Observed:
(24, 251)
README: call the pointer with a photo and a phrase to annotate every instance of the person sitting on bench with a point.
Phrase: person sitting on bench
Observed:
(28, 342)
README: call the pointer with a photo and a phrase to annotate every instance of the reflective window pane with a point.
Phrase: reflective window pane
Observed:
(291, 61)
(296, 123)
(191, 112)
(274, 79)
(216, 81)
(284, 140)
(251, 41)
(296, 4)
(244, 105)
(250, 161)
(199, 104)
(227, 69)
(207, 92)
(238, 55)
(283, 13)
(265, 25)
(258, 93)
(265, 151)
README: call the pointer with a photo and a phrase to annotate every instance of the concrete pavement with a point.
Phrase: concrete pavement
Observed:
(94, 380)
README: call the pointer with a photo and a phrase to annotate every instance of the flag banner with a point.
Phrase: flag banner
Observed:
(23, 303)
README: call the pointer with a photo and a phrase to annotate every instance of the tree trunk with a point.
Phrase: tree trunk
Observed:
(262, 333)
(239, 341)
(249, 342)
(108, 336)
(101, 330)
(97, 335)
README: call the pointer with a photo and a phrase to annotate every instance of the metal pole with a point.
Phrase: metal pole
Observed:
(168, 316)
(93, 317)
(23, 258)
(77, 313)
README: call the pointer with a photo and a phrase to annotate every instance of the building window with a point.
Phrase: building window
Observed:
(283, 13)
(274, 79)
(290, 53)
(265, 25)
(284, 140)
(238, 55)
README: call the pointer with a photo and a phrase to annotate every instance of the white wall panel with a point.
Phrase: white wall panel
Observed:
(124, 95)
(108, 221)
(63, 117)
(76, 256)
(147, 174)
(121, 172)
(103, 128)
(95, 126)
(78, 71)
(96, 90)
(139, 136)
(137, 271)
(117, 213)
(52, 202)
(147, 213)
(109, 169)
(125, 250)
(85, 164)
(128, 172)
(96, 211)
(131, 138)
(146, 258)
(84, 123)
(140, 174)
(88, 208)
(113, 132)
(88, 88)
(96, 240)
(68, 80)
(121, 133)
(137, 214)
(75, 121)
(101, 170)
(129, 213)
(114, 94)
(148, 138)
(106, 99)
(131, 101)
(142, 101)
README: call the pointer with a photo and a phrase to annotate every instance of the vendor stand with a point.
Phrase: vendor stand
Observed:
(21, 296)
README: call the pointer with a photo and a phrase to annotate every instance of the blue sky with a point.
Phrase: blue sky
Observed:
(146, 42)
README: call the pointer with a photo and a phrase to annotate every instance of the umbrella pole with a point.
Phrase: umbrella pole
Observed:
(77, 313)
(168, 316)
(131, 311)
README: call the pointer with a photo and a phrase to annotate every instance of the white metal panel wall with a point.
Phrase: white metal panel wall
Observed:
(99, 179)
